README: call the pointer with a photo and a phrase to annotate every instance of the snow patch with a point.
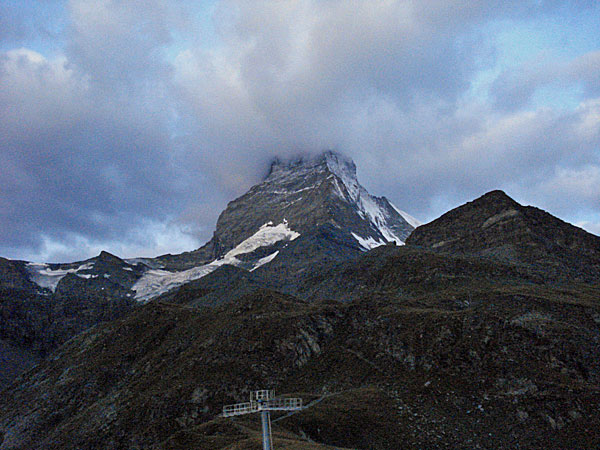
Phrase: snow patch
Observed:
(286, 192)
(338, 189)
(345, 169)
(368, 206)
(265, 236)
(86, 276)
(410, 219)
(368, 243)
(498, 217)
(377, 216)
(45, 277)
(155, 282)
(148, 262)
(265, 260)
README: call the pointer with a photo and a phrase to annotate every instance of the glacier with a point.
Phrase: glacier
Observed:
(155, 282)
(45, 277)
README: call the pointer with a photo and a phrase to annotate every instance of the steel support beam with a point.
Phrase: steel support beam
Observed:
(266, 429)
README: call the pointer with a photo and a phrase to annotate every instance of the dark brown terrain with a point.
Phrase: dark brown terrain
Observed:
(496, 226)
(488, 340)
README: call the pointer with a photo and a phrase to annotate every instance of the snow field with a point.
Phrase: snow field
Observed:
(45, 277)
(156, 281)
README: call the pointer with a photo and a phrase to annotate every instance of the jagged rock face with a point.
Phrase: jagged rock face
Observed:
(306, 212)
(308, 193)
(495, 225)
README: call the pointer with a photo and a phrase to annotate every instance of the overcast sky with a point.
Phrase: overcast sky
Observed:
(128, 125)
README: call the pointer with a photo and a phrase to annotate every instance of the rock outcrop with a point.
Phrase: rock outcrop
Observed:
(496, 226)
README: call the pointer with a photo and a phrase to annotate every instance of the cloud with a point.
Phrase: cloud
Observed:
(119, 43)
(435, 159)
(20, 21)
(145, 125)
(515, 87)
(590, 227)
(384, 82)
(289, 73)
(144, 239)
(75, 160)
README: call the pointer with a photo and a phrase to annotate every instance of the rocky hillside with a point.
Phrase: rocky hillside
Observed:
(483, 332)
(433, 352)
(307, 213)
(496, 226)
(44, 305)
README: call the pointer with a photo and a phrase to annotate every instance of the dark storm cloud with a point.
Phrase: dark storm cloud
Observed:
(386, 83)
(75, 159)
(135, 135)
(87, 150)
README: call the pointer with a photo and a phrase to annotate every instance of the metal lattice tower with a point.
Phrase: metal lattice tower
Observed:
(263, 402)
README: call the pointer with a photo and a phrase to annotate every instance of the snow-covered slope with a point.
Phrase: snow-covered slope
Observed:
(389, 221)
(156, 282)
(46, 277)
(410, 219)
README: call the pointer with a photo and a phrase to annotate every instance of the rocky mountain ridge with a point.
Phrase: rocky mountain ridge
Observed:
(482, 332)
(307, 193)
(498, 227)
(434, 352)
(306, 212)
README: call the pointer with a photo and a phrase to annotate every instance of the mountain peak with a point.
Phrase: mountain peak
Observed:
(315, 201)
(496, 197)
(329, 160)
(105, 256)
(495, 225)
(338, 163)
(329, 179)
